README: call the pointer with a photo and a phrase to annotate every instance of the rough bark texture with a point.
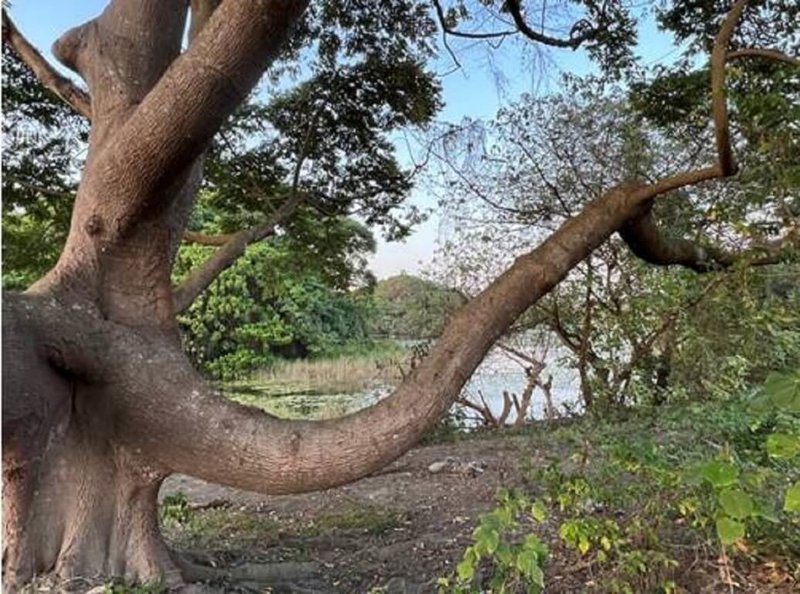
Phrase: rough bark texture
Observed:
(100, 404)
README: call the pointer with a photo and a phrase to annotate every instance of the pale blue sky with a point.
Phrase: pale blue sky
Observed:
(471, 91)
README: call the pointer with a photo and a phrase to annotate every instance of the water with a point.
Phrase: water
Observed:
(498, 372)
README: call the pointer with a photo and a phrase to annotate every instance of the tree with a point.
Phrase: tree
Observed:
(620, 321)
(101, 404)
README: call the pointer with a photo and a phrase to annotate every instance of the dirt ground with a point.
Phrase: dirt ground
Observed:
(417, 527)
(395, 532)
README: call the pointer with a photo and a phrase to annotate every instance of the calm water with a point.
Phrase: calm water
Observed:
(498, 373)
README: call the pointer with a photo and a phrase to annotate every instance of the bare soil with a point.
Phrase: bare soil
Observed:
(396, 531)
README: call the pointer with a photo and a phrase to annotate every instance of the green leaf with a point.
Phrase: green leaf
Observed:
(783, 445)
(486, 540)
(719, 474)
(791, 502)
(783, 390)
(729, 530)
(528, 566)
(534, 543)
(465, 570)
(736, 503)
(538, 511)
(583, 544)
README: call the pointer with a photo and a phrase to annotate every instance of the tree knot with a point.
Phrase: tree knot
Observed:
(94, 225)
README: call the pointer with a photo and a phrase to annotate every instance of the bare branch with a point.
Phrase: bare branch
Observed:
(465, 34)
(69, 92)
(209, 240)
(514, 7)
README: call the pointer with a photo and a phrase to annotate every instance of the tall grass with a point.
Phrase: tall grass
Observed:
(343, 374)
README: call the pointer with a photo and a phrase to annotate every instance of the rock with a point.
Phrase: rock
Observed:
(449, 464)
(475, 468)
(446, 465)
(399, 585)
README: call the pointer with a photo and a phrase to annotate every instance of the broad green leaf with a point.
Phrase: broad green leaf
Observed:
(528, 566)
(783, 445)
(783, 390)
(736, 503)
(534, 543)
(465, 570)
(538, 511)
(729, 530)
(791, 502)
(719, 474)
(486, 540)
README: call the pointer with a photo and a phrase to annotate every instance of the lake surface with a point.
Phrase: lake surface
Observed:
(498, 372)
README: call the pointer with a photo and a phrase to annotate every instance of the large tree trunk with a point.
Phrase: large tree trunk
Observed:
(100, 403)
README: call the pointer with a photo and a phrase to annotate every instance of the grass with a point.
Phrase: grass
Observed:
(322, 388)
(235, 529)
(345, 374)
(367, 519)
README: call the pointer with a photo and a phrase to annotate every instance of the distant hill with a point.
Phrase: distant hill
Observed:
(410, 307)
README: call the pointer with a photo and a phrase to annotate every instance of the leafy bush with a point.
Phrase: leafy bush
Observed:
(512, 558)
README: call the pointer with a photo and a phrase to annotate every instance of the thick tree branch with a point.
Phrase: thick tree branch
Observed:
(201, 11)
(243, 447)
(69, 92)
(653, 245)
(719, 104)
(230, 251)
(648, 242)
(164, 135)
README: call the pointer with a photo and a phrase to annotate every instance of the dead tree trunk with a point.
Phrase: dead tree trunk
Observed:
(100, 403)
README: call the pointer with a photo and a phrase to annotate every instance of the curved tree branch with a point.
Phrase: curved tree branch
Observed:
(769, 54)
(654, 245)
(69, 92)
(642, 233)
(446, 28)
(515, 9)
(719, 104)
(650, 243)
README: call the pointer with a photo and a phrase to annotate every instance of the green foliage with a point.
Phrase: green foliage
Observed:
(175, 509)
(512, 559)
(266, 307)
(41, 143)
(620, 492)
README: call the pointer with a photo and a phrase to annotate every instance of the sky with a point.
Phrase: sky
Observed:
(470, 91)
